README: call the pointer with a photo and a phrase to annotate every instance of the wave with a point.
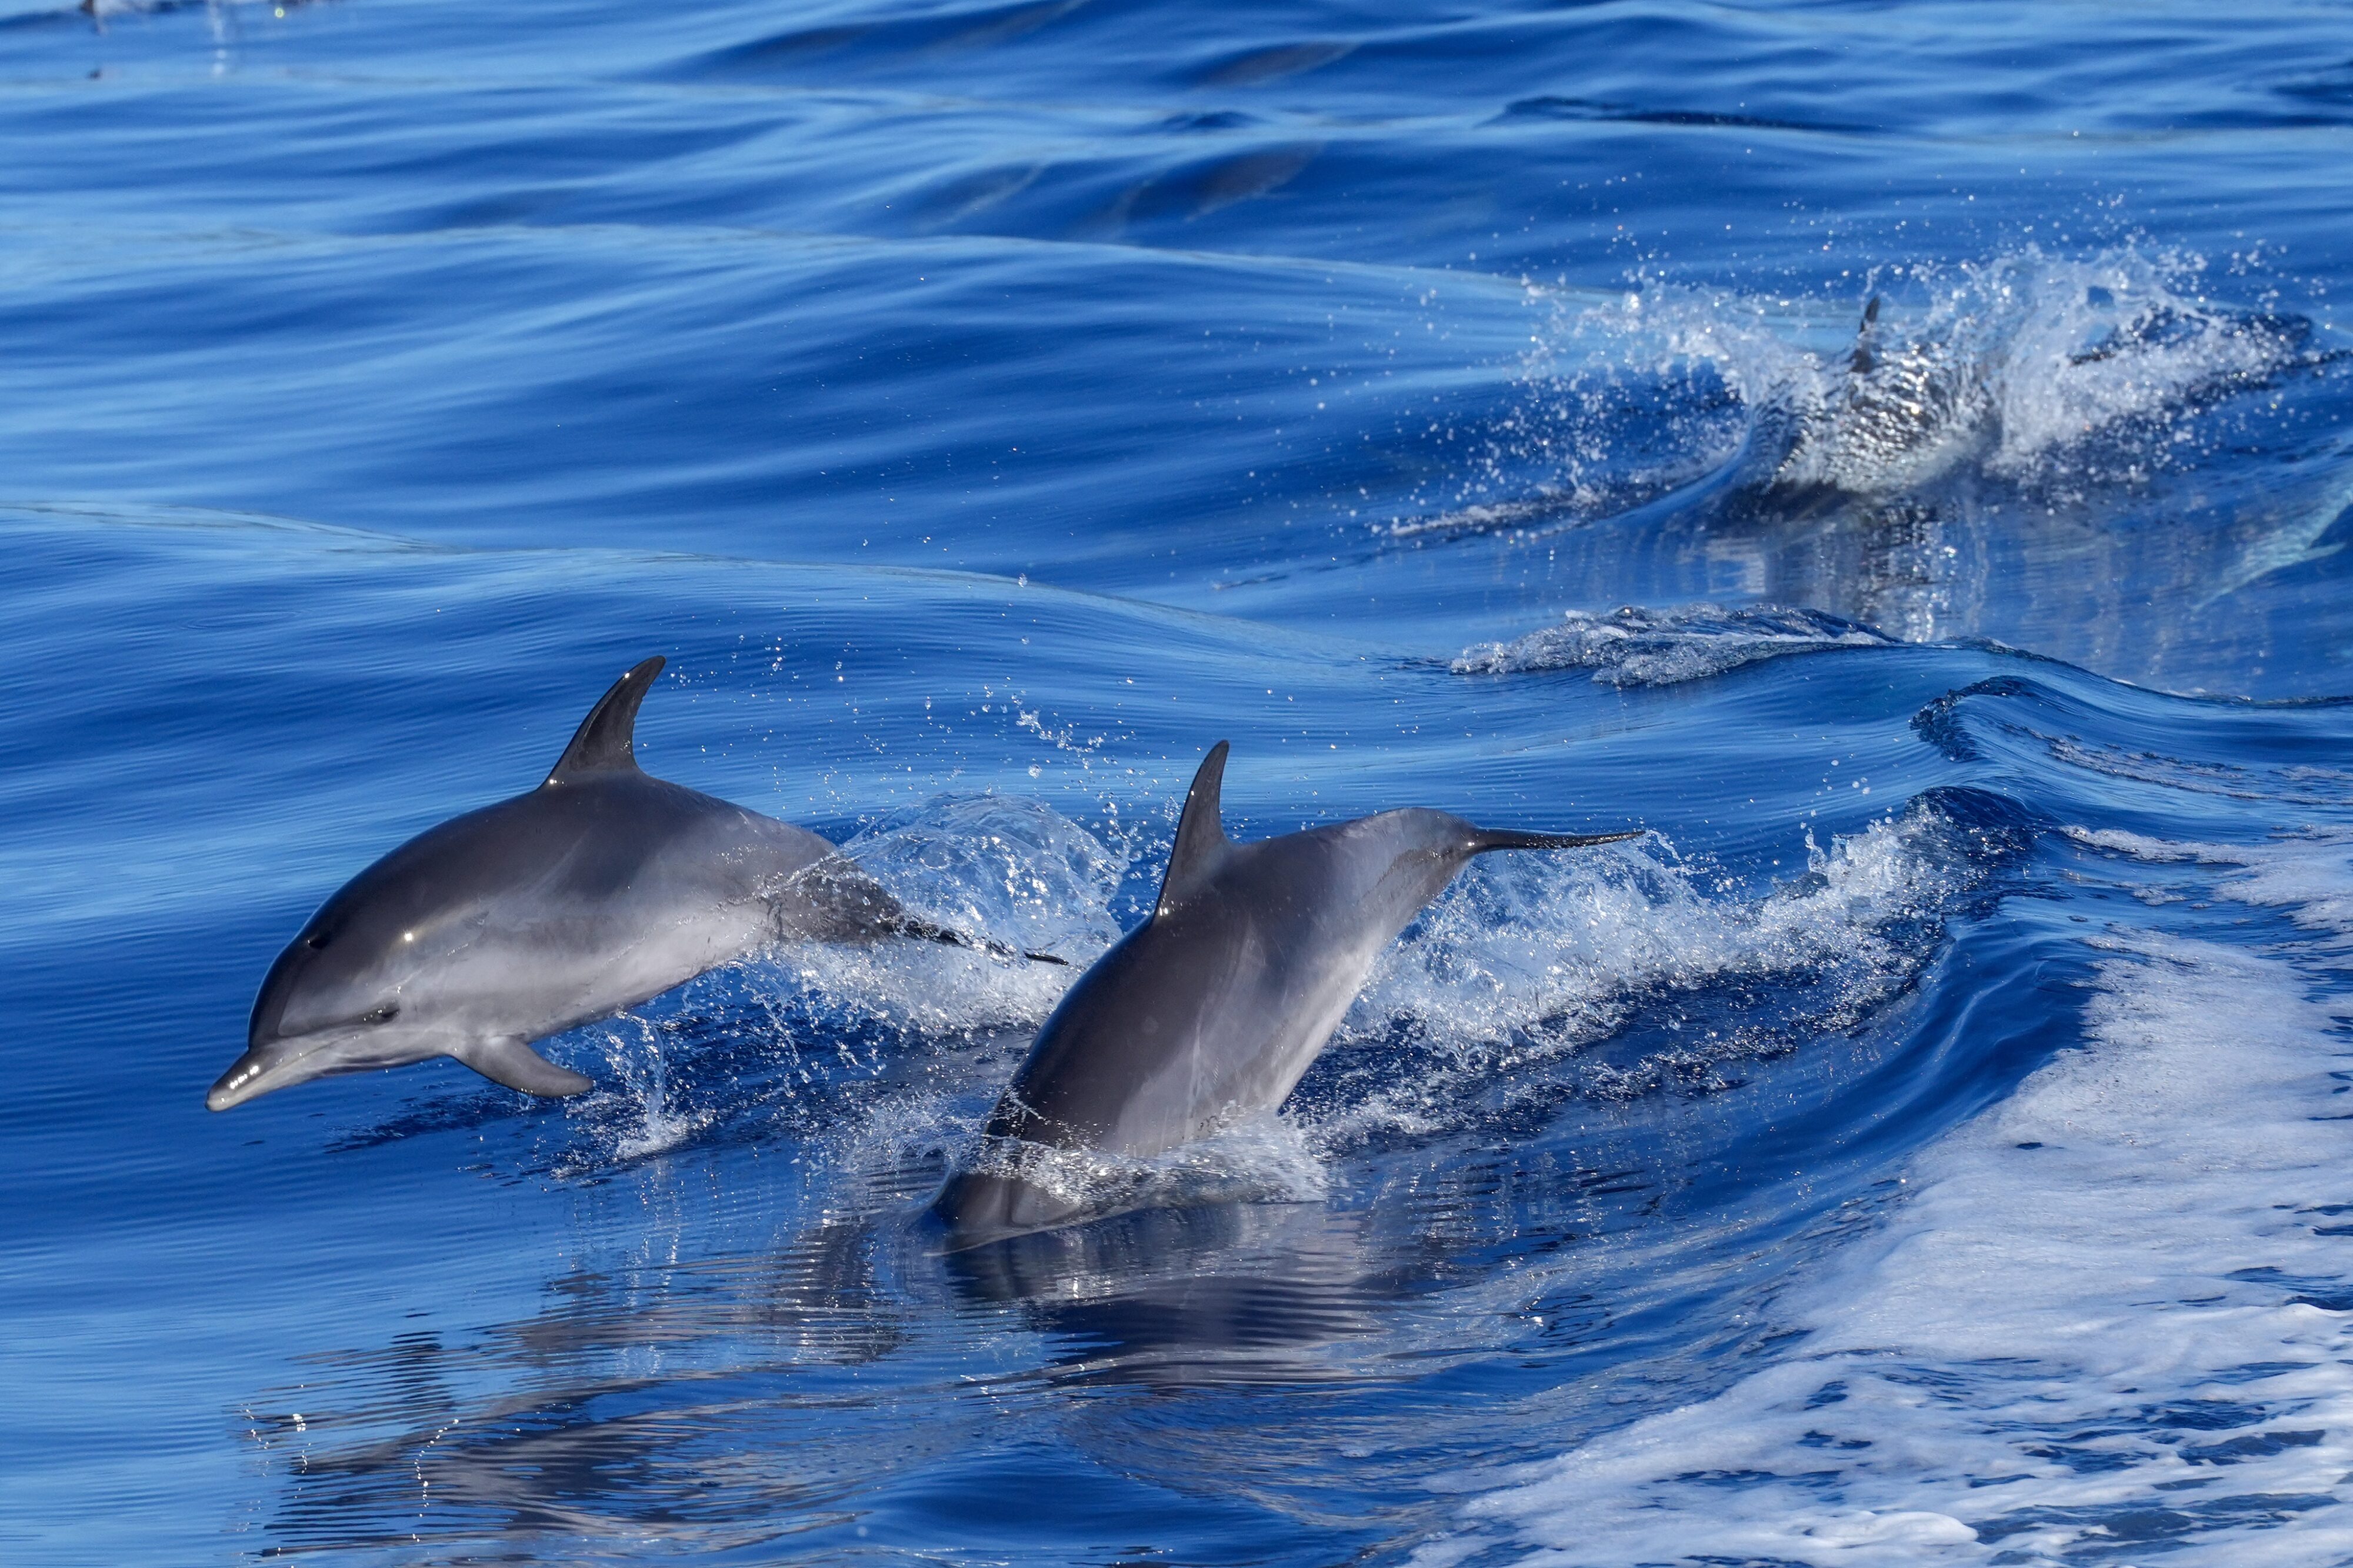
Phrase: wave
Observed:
(2106, 1317)
(1539, 980)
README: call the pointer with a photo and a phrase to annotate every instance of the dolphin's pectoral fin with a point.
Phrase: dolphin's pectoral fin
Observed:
(510, 1060)
(1200, 833)
(602, 743)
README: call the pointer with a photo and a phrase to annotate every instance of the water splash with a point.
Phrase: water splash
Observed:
(1616, 976)
(2011, 368)
(1015, 869)
(1261, 1159)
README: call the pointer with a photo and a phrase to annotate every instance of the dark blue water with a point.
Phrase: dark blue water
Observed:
(1925, 1148)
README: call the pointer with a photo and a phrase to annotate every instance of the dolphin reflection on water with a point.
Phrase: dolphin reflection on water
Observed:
(599, 889)
(1214, 1006)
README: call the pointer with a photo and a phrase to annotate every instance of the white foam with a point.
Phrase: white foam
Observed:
(2309, 875)
(1635, 646)
(1264, 1158)
(917, 989)
(1536, 956)
(2049, 1352)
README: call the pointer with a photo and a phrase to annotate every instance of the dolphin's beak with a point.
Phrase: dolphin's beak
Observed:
(266, 1067)
(240, 1083)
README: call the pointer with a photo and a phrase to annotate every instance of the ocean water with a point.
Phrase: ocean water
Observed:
(1900, 454)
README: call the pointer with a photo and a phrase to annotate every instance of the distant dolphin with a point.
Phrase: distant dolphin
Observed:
(602, 888)
(1215, 1005)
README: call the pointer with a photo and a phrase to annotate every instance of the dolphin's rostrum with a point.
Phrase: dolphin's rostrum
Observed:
(1215, 1005)
(602, 888)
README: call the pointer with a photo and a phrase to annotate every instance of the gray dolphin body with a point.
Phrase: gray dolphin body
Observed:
(1217, 1004)
(602, 888)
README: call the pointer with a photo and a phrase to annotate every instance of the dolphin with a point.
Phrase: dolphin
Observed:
(599, 889)
(1217, 1005)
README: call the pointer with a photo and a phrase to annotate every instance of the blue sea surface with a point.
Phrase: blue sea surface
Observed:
(1902, 455)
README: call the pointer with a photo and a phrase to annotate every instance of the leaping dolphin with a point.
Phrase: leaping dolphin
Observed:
(599, 889)
(1217, 1005)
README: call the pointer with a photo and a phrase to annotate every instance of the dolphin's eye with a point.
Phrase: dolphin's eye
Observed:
(383, 1015)
(315, 941)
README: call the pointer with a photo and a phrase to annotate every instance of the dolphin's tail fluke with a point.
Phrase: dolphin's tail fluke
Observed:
(925, 930)
(843, 904)
(1505, 838)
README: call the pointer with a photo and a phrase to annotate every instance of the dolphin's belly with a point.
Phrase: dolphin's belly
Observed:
(541, 979)
(705, 896)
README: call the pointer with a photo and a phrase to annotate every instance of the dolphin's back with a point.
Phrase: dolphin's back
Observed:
(1217, 1005)
(654, 883)
(582, 898)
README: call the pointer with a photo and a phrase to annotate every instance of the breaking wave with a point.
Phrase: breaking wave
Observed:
(2106, 1319)
(1536, 979)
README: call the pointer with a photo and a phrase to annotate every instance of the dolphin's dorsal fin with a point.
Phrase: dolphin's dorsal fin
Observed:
(1862, 361)
(1201, 836)
(601, 744)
